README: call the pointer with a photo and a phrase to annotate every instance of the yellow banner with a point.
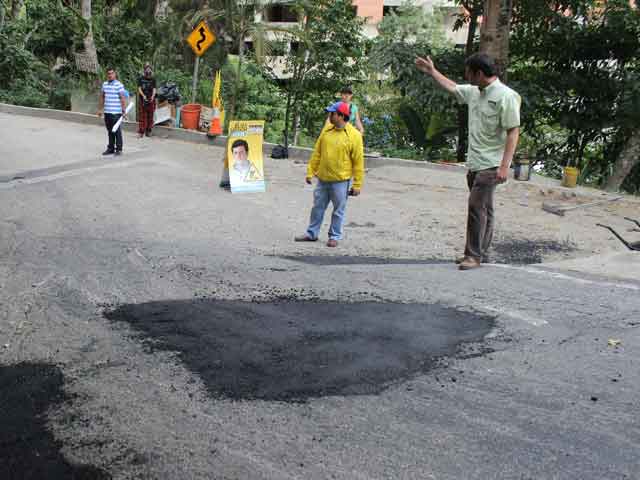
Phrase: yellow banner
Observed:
(244, 151)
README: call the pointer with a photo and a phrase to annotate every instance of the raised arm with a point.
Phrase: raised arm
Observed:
(425, 65)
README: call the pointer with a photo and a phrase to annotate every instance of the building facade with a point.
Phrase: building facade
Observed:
(374, 12)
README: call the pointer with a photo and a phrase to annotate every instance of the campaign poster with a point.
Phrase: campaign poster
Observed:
(244, 151)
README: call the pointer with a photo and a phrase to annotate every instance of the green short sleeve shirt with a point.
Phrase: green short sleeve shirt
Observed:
(352, 117)
(492, 111)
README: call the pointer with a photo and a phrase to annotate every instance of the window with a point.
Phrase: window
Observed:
(387, 9)
(281, 13)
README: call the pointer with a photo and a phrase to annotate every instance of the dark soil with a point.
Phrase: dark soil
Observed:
(294, 350)
(28, 450)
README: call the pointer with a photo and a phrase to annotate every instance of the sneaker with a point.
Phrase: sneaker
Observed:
(305, 238)
(469, 263)
(332, 243)
(117, 153)
(140, 134)
(149, 134)
(108, 152)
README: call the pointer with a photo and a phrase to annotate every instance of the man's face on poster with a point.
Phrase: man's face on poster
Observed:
(239, 154)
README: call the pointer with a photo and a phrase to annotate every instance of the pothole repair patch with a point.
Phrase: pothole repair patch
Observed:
(28, 450)
(295, 350)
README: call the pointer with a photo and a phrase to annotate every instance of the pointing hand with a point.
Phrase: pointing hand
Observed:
(425, 65)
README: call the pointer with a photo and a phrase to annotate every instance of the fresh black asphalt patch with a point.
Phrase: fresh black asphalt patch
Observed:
(296, 350)
(526, 252)
(28, 450)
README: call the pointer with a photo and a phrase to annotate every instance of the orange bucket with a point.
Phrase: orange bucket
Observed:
(190, 116)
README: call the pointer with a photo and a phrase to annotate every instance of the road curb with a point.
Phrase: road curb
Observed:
(298, 154)
(191, 136)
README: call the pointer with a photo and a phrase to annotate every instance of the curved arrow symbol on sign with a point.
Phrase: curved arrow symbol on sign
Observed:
(203, 37)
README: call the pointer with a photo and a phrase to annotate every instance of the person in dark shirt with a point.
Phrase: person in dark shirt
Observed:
(146, 101)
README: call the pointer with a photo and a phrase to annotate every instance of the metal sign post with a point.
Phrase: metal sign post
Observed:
(200, 39)
(194, 85)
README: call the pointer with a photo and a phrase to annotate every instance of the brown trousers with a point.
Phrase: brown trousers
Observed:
(480, 218)
(145, 115)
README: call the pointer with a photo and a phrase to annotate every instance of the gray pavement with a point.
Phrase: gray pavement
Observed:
(162, 301)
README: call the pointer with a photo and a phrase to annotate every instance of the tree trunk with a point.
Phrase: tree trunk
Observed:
(463, 110)
(475, 11)
(161, 9)
(16, 6)
(287, 112)
(494, 33)
(628, 158)
(91, 55)
(236, 88)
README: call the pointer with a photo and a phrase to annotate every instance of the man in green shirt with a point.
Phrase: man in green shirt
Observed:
(494, 129)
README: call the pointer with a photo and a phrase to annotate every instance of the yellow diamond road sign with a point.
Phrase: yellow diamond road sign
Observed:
(201, 39)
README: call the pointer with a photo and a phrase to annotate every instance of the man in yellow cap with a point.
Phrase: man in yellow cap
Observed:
(337, 159)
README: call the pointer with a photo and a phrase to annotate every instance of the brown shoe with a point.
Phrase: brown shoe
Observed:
(305, 238)
(469, 263)
(459, 260)
(332, 243)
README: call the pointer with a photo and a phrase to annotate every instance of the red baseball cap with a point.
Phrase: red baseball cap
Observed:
(340, 107)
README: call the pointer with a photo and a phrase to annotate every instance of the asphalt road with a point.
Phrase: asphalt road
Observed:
(155, 326)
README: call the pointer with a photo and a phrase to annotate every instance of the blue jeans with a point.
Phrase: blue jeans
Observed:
(337, 193)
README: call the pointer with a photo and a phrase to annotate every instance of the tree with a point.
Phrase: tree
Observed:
(494, 33)
(426, 109)
(472, 11)
(330, 52)
(91, 55)
(16, 7)
(626, 161)
(576, 64)
(241, 21)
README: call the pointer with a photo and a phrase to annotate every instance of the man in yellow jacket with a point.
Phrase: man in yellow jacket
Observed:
(338, 157)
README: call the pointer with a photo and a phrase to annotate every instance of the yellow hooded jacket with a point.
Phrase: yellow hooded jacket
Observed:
(338, 155)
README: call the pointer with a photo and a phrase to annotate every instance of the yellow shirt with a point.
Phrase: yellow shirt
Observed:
(338, 156)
